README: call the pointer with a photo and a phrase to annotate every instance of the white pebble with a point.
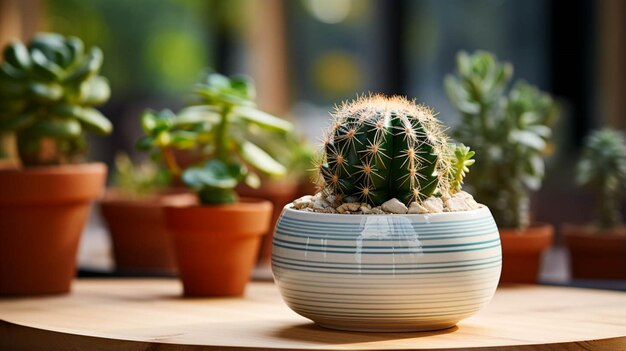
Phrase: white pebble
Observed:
(433, 205)
(303, 202)
(416, 208)
(394, 206)
(320, 204)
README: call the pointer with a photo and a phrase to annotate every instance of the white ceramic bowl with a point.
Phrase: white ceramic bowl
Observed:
(386, 272)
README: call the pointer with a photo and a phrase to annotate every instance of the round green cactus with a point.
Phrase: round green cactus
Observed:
(47, 92)
(379, 148)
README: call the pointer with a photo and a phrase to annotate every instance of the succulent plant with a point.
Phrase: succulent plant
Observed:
(602, 168)
(48, 89)
(138, 180)
(510, 134)
(219, 125)
(460, 161)
(379, 148)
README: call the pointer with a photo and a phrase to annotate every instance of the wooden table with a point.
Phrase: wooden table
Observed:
(149, 314)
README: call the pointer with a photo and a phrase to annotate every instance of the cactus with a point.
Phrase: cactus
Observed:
(47, 93)
(602, 168)
(378, 148)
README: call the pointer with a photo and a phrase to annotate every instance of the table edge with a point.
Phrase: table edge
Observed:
(14, 336)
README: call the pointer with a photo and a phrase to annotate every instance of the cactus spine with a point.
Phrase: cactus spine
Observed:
(378, 148)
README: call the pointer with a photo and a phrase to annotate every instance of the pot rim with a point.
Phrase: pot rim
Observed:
(72, 168)
(424, 216)
(244, 203)
(114, 197)
(52, 184)
(588, 230)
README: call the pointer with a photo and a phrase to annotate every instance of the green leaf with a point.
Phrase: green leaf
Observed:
(182, 139)
(44, 68)
(93, 120)
(535, 166)
(459, 97)
(463, 63)
(528, 139)
(47, 40)
(145, 143)
(216, 196)
(10, 73)
(89, 66)
(214, 174)
(541, 130)
(18, 122)
(252, 180)
(260, 159)
(57, 128)
(154, 123)
(148, 121)
(530, 181)
(17, 55)
(262, 119)
(46, 92)
(76, 49)
(215, 96)
(95, 91)
(244, 86)
(217, 80)
(198, 114)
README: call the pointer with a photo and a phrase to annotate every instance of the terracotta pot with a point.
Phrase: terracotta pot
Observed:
(42, 215)
(522, 252)
(216, 246)
(138, 234)
(596, 254)
(279, 193)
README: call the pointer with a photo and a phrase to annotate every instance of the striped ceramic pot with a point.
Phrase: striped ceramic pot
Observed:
(386, 272)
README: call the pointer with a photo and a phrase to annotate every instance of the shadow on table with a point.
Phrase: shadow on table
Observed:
(310, 332)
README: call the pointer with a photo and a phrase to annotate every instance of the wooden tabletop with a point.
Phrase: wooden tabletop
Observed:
(142, 314)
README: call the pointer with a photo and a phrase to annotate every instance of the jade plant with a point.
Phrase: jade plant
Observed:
(219, 123)
(48, 90)
(602, 168)
(378, 148)
(291, 150)
(136, 180)
(510, 133)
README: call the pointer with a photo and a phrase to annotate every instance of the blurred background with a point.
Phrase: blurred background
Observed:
(307, 55)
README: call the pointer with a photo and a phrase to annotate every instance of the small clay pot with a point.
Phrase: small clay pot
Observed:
(522, 252)
(596, 254)
(138, 234)
(279, 193)
(43, 212)
(216, 246)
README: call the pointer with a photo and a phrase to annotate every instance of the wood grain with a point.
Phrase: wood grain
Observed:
(148, 314)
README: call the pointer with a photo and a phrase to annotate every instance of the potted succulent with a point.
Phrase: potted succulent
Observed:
(287, 148)
(390, 242)
(47, 92)
(511, 134)
(216, 235)
(598, 250)
(132, 209)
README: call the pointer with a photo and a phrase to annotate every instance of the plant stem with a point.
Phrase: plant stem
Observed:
(607, 214)
(170, 161)
(221, 145)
